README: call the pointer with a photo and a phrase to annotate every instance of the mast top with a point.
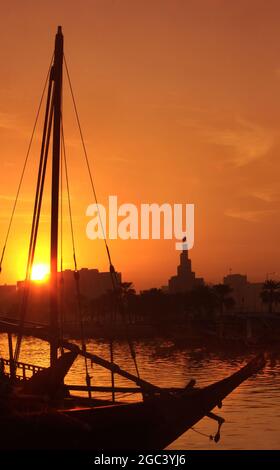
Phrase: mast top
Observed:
(59, 30)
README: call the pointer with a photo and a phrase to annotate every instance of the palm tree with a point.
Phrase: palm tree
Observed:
(270, 293)
(127, 289)
(224, 299)
(201, 300)
(128, 295)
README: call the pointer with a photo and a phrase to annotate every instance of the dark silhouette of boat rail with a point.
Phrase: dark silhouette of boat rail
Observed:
(151, 424)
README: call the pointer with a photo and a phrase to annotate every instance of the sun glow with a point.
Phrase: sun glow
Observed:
(40, 272)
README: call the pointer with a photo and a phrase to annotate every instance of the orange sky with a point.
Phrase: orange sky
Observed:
(179, 102)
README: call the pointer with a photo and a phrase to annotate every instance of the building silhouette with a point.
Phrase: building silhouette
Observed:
(7, 297)
(185, 280)
(246, 294)
(92, 283)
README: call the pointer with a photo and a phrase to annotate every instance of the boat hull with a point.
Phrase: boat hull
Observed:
(148, 425)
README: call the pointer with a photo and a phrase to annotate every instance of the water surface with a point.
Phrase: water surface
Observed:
(252, 412)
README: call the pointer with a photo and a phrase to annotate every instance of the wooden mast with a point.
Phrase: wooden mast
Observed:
(57, 93)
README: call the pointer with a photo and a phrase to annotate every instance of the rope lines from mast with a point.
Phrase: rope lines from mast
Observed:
(24, 167)
(37, 210)
(87, 159)
(76, 271)
(61, 279)
(115, 281)
(68, 195)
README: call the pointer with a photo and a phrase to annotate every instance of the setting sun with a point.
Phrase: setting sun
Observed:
(40, 272)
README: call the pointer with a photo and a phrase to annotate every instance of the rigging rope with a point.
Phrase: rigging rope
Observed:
(114, 278)
(24, 168)
(68, 196)
(209, 436)
(61, 280)
(85, 154)
(36, 212)
(76, 272)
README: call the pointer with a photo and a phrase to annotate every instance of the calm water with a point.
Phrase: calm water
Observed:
(252, 412)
